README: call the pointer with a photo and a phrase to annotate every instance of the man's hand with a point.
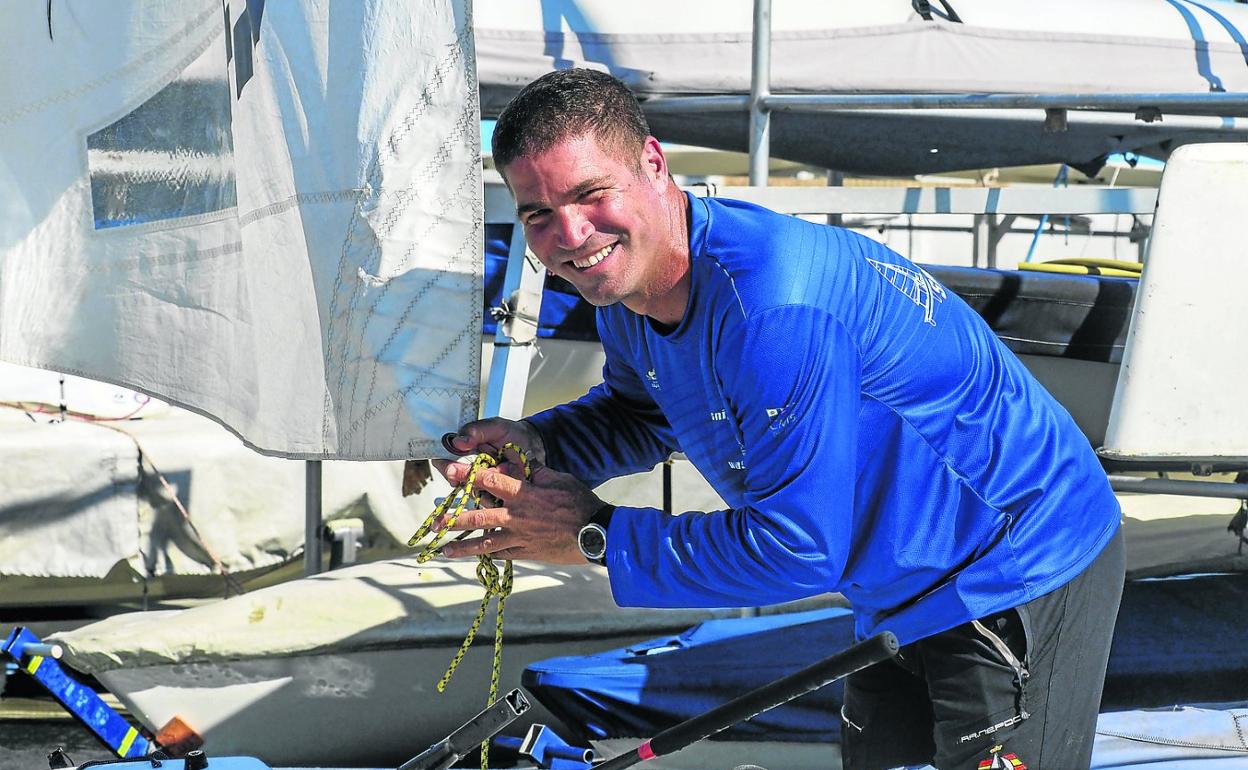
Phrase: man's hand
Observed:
(537, 519)
(489, 435)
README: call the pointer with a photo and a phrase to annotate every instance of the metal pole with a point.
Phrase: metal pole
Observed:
(837, 179)
(1179, 487)
(1172, 102)
(516, 337)
(981, 235)
(760, 89)
(312, 518)
(1213, 107)
(946, 200)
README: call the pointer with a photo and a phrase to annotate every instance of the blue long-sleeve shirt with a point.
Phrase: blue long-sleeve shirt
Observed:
(870, 433)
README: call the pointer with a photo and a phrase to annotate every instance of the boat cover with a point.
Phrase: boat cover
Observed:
(1177, 738)
(267, 212)
(702, 47)
(85, 517)
(1048, 314)
(1177, 641)
(388, 604)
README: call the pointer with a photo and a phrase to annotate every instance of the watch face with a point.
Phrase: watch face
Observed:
(592, 541)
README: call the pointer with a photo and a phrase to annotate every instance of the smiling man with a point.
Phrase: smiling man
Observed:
(868, 431)
(600, 221)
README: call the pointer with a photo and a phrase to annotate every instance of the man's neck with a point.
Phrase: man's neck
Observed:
(668, 303)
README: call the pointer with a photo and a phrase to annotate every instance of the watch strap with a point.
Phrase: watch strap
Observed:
(602, 516)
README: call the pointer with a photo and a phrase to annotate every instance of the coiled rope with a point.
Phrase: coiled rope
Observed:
(495, 583)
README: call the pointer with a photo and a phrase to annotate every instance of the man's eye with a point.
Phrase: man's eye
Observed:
(535, 217)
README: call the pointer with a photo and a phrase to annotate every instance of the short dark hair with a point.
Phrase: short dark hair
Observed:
(564, 104)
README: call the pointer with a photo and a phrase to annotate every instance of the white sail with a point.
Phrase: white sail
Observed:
(267, 212)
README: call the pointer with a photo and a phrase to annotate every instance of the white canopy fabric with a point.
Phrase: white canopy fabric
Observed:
(83, 499)
(702, 47)
(267, 212)
(85, 517)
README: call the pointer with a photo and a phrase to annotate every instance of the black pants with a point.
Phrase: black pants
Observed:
(979, 695)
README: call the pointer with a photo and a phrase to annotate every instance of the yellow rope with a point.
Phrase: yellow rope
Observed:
(495, 583)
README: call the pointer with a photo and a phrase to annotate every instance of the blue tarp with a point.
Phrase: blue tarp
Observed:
(1181, 639)
(1178, 640)
(637, 691)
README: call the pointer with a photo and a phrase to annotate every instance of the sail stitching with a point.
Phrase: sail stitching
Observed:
(286, 204)
(403, 200)
(138, 64)
(338, 352)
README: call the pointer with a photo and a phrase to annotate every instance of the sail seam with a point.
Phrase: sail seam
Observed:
(277, 207)
(138, 64)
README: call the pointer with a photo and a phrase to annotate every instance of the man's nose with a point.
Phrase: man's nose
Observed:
(574, 228)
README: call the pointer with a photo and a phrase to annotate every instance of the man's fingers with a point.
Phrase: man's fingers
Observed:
(454, 472)
(511, 456)
(480, 436)
(490, 543)
(499, 484)
(503, 482)
(482, 518)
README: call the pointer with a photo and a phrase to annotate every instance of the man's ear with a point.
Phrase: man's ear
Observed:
(653, 161)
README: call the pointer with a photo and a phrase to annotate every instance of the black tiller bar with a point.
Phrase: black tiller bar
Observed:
(874, 650)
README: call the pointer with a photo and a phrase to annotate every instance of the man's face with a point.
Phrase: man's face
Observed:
(595, 218)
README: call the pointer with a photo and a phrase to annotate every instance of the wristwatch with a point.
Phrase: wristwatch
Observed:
(592, 539)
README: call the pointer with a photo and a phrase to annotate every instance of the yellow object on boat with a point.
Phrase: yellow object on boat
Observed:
(1088, 266)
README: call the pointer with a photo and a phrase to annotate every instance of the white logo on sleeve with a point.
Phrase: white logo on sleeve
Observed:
(653, 379)
(922, 289)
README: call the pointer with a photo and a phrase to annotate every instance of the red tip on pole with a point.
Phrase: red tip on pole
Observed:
(178, 738)
(645, 752)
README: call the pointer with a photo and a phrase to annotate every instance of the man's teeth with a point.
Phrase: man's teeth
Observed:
(594, 258)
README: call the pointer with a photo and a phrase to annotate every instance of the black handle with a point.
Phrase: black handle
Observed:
(874, 650)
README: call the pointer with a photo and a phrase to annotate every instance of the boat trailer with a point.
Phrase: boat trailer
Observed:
(138, 751)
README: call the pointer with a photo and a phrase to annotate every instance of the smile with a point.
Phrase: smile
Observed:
(593, 259)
